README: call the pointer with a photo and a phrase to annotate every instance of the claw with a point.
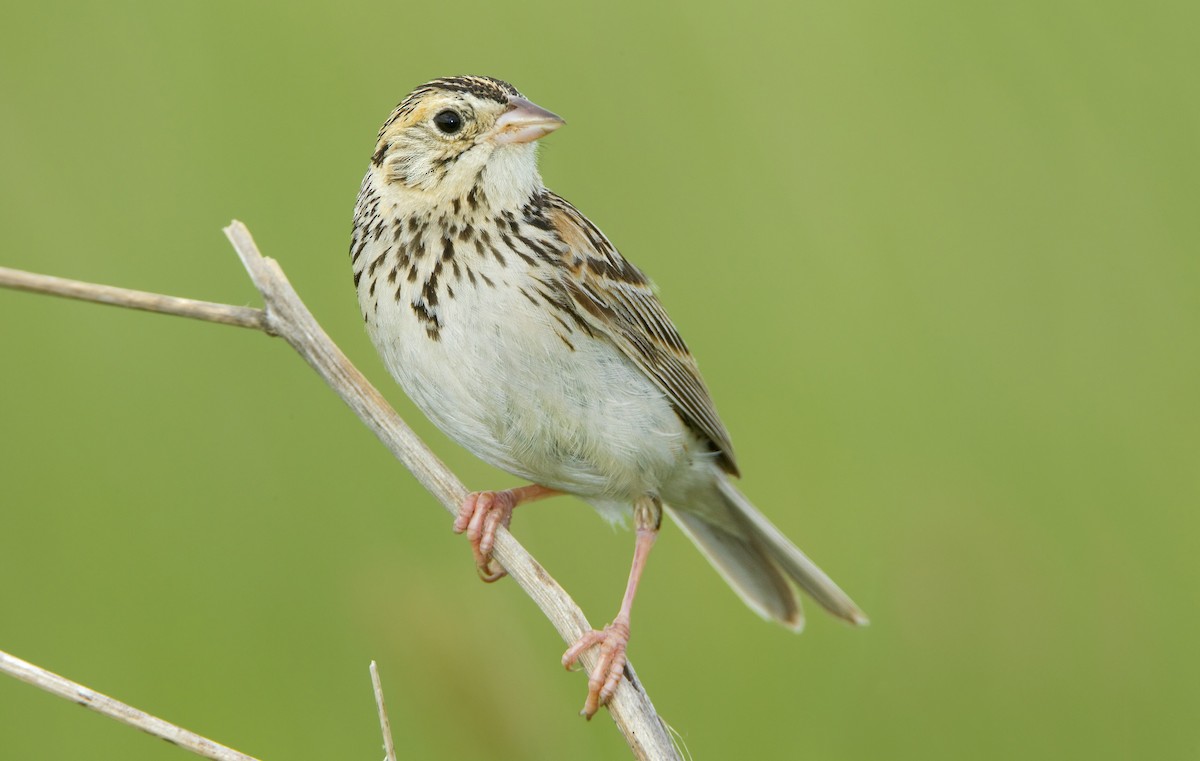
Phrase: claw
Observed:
(480, 515)
(610, 665)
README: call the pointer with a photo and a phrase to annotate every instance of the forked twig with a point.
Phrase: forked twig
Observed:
(285, 315)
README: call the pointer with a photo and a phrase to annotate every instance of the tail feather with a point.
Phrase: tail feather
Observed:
(747, 569)
(758, 560)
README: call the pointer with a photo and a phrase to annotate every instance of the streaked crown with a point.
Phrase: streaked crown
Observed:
(457, 133)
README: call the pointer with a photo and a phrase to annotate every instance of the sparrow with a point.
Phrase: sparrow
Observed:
(513, 323)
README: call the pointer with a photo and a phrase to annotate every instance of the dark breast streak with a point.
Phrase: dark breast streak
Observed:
(428, 260)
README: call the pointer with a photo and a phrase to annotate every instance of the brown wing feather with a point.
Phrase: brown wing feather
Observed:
(618, 302)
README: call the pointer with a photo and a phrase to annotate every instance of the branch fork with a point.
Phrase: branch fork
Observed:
(285, 315)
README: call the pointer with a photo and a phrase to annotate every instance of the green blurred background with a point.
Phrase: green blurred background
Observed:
(939, 262)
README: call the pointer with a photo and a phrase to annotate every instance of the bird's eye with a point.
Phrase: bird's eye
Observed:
(448, 121)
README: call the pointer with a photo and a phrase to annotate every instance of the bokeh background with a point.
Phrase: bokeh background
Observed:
(939, 262)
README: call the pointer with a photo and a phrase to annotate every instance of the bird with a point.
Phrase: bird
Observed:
(521, 332)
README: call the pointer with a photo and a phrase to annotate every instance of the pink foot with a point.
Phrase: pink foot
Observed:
(480, 515)
(483, 512)
(610, 666)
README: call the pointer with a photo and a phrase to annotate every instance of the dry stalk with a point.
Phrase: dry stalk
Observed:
(385, 726)
(285, 315)
(115, 709)
(152, 725)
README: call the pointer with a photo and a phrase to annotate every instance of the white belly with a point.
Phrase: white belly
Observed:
(501, 382)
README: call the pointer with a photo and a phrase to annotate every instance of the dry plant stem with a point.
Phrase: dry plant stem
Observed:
(385, 726)
(244, 317)
(288, 318)
(126, 714)
(285, 315)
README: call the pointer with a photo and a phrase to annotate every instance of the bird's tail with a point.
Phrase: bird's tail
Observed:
(756, 558)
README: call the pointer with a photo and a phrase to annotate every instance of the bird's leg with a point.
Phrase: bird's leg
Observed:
(603, 681)
(482, 512)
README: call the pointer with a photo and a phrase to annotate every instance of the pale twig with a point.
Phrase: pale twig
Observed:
(385, 726)
(285, 315)
(115, 709)
(243, 317)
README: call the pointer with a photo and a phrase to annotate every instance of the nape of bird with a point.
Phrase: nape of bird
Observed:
(521, 332)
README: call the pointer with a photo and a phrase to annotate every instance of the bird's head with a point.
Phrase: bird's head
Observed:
(456, 134)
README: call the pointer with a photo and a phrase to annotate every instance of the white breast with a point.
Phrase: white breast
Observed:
(502, 381)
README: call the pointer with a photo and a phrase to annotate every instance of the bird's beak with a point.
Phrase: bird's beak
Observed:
(524, 122)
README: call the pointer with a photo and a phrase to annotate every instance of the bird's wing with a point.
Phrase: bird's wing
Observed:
(618, 302)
